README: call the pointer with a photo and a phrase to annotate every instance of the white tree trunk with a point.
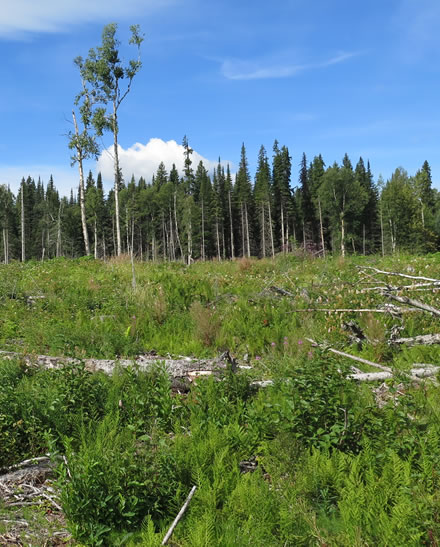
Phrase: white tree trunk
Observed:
(82, 198)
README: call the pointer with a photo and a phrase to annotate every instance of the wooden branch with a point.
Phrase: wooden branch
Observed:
(433, 285)
(414, 303)
(399, 274)
(179, 516)
(423, 339)
(349, 356)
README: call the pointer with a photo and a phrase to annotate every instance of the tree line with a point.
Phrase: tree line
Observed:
(198, 215)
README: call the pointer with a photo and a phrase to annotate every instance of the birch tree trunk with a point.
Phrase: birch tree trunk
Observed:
(58, 247)
(282, 229)
(6, 244)
(263, 232)
(247, 232)
(82, 198)
(117, 176)
(271, 230)
(95, 239)
(203, 232)
(321, 229)
(342, 235)
(381, 233)
(177, 226)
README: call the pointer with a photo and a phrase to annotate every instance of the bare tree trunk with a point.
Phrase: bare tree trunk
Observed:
(117, 178)
(95, 238)
(189, 240)
(321, 228)
(113, 234)
(304, 237)
(141, 242)
(23, 246)
(263, 232)
(247, 232)
(217, 237)
(5, 245)
(363, 239)
(243, 247)
(231, 226)
(381, 233)
(282, 229)
(203, 232)
(271, 230)
(342, 235)
(393, 239)
(177, 226)
(172, 248)
(58, 248)
(164, 243)
(82, 198)
(103, 246)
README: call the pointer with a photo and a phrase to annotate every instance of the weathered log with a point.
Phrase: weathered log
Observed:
(185, 367)
(422, 339)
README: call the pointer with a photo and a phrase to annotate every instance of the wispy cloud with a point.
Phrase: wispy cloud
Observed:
(237, 69)
(417, 23)
(20, 17)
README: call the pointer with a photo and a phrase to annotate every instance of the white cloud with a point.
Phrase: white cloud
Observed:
(22, 16)
(142, 160)
(236, 69)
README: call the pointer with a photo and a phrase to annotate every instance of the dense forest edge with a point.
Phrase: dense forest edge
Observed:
(202, 216)
(285, 445)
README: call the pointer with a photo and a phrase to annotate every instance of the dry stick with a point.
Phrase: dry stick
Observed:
(399, 274)
(179, 516)
(353, 357)
(414, 303)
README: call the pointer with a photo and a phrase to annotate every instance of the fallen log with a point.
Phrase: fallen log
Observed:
(412, 302)
(422, 339)
(392, 310)
(184, 367)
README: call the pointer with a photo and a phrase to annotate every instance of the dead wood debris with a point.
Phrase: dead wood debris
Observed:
(30, 484)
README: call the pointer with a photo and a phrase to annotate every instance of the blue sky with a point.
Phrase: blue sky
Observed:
(319, 76)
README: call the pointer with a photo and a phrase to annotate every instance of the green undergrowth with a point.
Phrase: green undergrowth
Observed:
(87, 308)
(331, 466)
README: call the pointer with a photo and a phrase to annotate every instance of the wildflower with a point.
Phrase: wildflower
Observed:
(257, 358)
(310, 354)
(286, 343)
(273, 344)
(300, 342)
